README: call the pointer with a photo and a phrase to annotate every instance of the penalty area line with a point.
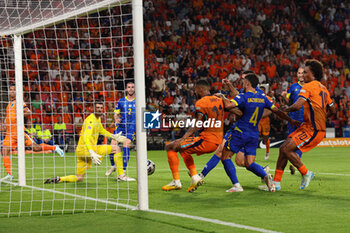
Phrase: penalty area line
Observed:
(74, 195)
(215, 221)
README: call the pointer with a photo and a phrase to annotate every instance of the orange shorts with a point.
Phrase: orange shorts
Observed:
(196, 145)
(11, 140)
(306, 137)
(264, 127)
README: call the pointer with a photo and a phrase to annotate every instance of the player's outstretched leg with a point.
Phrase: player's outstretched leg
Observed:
(211, 164)
(59, 151)
(112, 168)
(231, 173)
(305, 180)
(7, 178)
(196, 180)
(173, 161)
(53, 180)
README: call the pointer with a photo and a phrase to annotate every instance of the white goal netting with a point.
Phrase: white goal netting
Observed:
(74, 54)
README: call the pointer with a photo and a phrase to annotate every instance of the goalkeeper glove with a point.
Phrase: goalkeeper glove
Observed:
(118, 137)
(95, 157)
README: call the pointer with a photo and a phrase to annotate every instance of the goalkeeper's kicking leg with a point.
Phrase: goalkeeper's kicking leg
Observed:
(84, 161)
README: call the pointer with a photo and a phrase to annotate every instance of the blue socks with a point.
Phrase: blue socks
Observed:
(111, 157)
(214, 160)
(257, 170)
(230, 170)
(299, 153)
(126, 155)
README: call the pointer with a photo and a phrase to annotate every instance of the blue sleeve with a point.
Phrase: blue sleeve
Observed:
(239, 100)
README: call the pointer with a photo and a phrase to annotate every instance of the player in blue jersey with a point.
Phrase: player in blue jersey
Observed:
(290, 97)
(125, 118)
(245, 135)
(214, 160)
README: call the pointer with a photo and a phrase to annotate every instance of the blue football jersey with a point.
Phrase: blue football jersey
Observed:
(126, 109)
(293, 95)
(252, 104)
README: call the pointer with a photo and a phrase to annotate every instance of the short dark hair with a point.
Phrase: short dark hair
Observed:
(263, 87)
(316, 68)
(98, 102)
(254, 81)
(203, 82)
(126, 84)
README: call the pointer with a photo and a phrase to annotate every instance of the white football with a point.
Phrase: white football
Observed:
(151, 167)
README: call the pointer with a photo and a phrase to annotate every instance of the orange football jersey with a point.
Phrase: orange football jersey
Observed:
(315, 108)
(212, 107)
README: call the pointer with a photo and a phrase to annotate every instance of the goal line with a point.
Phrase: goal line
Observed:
(130, 207)
(74, 195)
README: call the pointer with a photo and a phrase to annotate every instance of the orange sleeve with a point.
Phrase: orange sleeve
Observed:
(306, 90)
(200, 106)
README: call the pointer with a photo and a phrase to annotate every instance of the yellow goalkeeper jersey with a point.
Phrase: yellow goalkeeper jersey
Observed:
(91, 129)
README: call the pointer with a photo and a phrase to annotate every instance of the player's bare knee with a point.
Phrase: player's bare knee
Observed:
(171, 147)
(115, 149)
(80, 178)
(219, 150)
(239, 162)
(127, 143)
(36, 147)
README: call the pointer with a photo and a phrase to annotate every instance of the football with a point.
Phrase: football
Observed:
(151, 167)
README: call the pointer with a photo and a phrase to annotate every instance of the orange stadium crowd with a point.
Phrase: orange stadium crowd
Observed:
(68, 67)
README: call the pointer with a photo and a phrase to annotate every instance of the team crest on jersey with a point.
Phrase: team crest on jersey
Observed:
(12, 104)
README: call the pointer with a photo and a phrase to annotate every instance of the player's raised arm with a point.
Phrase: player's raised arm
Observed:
(26, 111)
(231, 106)
(284, 116)
(294, 107)
(230, 87)
(192, 130)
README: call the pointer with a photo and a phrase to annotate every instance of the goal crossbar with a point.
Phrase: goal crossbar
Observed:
(103, 4)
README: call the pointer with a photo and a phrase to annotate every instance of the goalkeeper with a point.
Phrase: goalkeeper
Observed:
(87, 150)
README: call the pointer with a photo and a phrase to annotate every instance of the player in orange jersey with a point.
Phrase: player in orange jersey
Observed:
(316, 100)
(208, 108)
(264, 126)
(10, 141)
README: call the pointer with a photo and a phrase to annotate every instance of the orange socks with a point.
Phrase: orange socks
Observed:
(173, 161)
(188, 159)
(7, 164)
(47, 147)
(268, 146)
(278, 175)
(303, 170)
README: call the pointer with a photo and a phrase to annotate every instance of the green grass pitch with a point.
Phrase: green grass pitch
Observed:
(323, 207)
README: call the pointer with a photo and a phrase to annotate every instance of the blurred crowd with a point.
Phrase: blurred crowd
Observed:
(72, 64)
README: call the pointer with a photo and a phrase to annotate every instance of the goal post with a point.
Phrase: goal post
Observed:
(17, 47)
(82, 42)
(141, 146)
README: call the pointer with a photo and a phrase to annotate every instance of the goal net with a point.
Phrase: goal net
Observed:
(58, 58)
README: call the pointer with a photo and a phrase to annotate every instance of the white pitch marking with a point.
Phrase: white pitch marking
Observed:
(215, 221)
